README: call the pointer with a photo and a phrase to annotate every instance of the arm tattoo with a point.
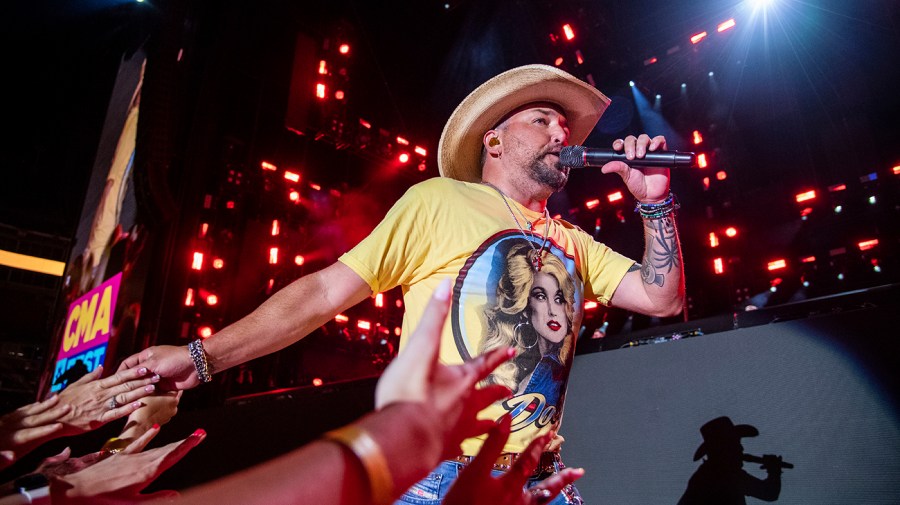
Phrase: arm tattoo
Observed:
(634, 267)
(662, 253)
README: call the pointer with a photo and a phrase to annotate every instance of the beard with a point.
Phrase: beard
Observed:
(553, 175)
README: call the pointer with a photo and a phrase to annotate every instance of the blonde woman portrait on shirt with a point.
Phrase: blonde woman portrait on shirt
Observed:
(533, 313)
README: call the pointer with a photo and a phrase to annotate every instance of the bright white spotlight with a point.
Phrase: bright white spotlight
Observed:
(631, 83)
(761, 4)
(683, 85)
(711, 73)
(658, 97)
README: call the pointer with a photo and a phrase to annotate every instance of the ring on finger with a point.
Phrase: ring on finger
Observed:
(113, 404)
(541, 495)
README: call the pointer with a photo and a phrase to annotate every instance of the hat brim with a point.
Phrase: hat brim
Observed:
(459, 150)
(739, 431)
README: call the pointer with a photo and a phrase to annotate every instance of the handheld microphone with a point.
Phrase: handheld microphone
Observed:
(750, 458)
(580, 157)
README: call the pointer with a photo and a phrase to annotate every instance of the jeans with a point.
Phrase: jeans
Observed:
(432, 489)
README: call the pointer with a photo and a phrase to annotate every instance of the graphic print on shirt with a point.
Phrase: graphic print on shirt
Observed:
(500, 299)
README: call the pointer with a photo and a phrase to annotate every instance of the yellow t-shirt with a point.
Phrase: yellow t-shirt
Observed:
(446, 228)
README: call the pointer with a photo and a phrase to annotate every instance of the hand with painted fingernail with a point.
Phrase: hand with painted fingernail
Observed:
(94, 401)
(158, 409)
(120, 478)
(450, 392)
(476, 485)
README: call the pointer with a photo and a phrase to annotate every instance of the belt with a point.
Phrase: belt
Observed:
(549, 462)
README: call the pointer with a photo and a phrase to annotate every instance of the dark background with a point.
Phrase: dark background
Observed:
(803, 96)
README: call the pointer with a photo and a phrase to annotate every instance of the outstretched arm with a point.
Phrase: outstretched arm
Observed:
(656, 286)
(283, 319)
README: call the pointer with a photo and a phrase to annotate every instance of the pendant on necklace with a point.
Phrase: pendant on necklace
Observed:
(536, 261)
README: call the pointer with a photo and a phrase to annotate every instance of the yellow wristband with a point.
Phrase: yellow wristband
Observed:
(366, 449)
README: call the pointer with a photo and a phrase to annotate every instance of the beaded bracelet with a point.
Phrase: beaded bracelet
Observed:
(657, 210)
(201, 364)
(367, 451)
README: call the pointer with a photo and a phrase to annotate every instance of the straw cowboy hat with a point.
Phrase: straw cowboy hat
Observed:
(722, 431)
(459, 151)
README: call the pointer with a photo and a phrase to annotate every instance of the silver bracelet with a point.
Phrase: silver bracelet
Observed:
(201, 364)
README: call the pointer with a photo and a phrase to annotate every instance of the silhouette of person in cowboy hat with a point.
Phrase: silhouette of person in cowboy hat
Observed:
(720, 479)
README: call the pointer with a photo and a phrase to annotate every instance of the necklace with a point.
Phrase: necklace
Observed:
(537, 261)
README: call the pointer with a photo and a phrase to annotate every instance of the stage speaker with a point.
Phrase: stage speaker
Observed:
(820, 392)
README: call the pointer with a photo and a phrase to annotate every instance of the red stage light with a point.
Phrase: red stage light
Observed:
(614, 197)
(705, 183)
(315, 186)
(364, 325)
(698, 139)
(320, 91)
(578, 57)
(218, 263)
(403, 158)
(721, 175)
(292, 176)
(365, 124)
(317, 382)
(808, 195)
(379, 300)
(197, 263)
(397, 331)
(558, 61)
(341, 318)
(294, 196)
(806, 211)
(276, 228)
(713, 239)
(701, 160)
(189, 298)
(205, 331)
(299, 260)
(229, 204)
(837, 187)
(273, 255)
(896, 169)
(212, 299)
(777, 265)
(590, 305)
(592, 204)
(265, 165)
(718, 266)
(725, 25)
(731, 231)
(865, 245)
(339, 95)
(650, 61)
(204, 228)
(344, 49)
(698, 37)
(568, 32)
(808, 259)
(421, 151)
(323, 68)
(402, 141)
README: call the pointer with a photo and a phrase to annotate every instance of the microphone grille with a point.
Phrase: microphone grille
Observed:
(572, 156)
